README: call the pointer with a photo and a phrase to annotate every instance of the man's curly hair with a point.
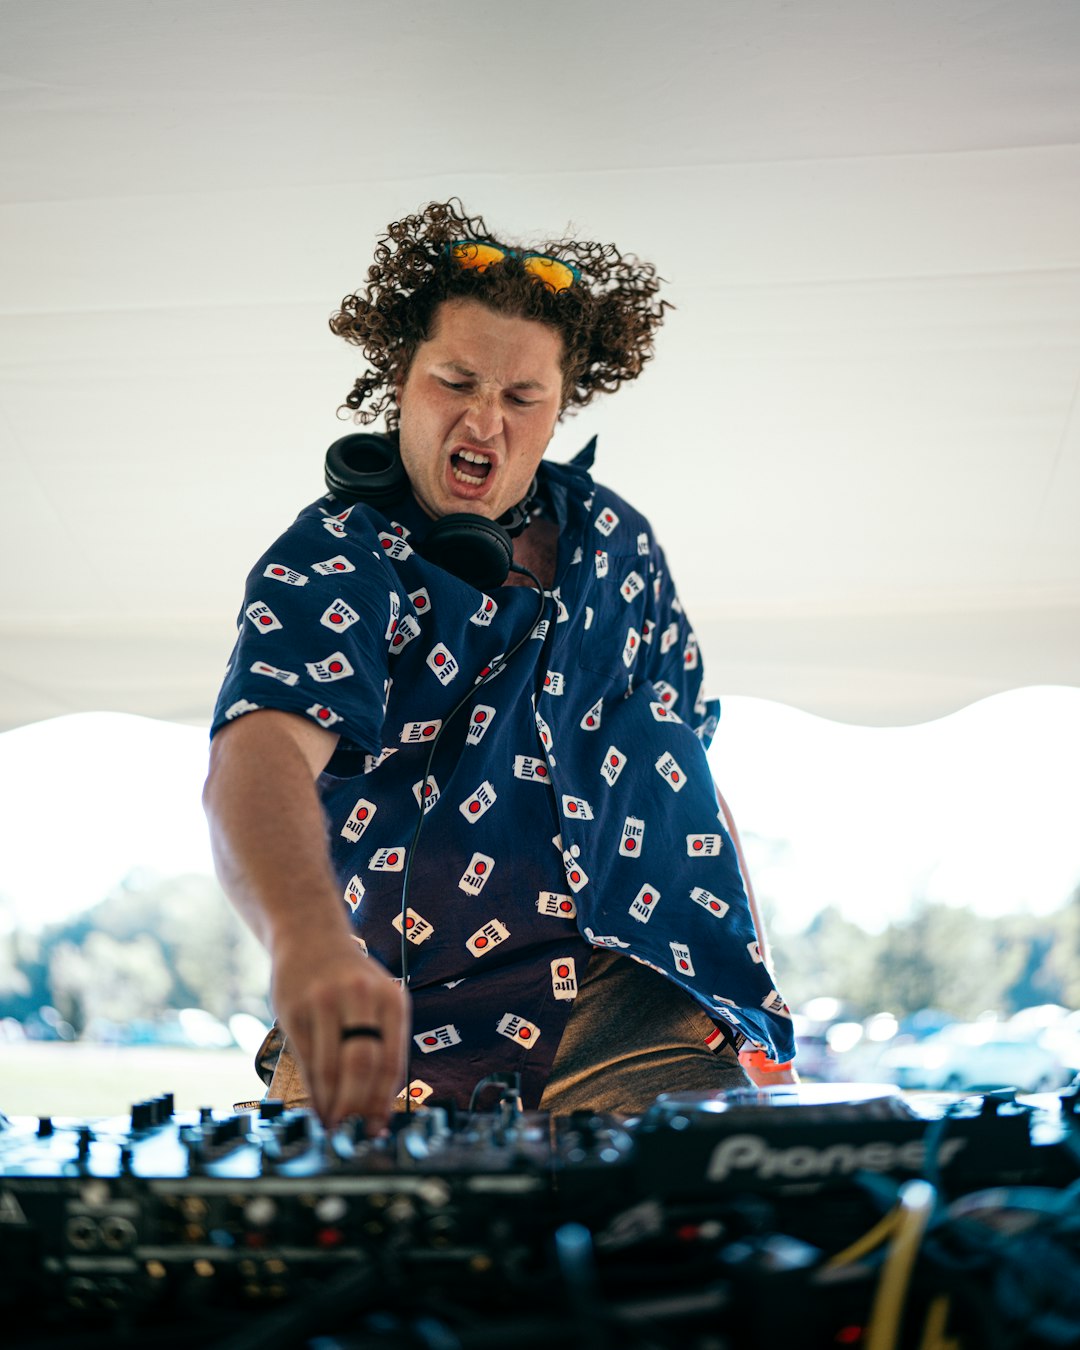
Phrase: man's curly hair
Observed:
(606, 319)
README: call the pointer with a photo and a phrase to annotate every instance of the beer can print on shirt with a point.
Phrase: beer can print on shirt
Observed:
(392, 614)
(703, 845)
(430, 790)
(479, 803)
(774, 1002)
(680, 954)
(421, 601)
(407, 628)
(591, 720)
(556, 906)
(288, 677)
(279, 572)
(354, 893)
(394, 546)
(326, 717)
(474, 878)
(438, 1038)
(612, 766)
(416, 928)
(333, 667)
(262, 617)
(668, 768)
(487, 611)
(709, 902)
(530, 769)
(564, 978)
(360, 817)
(330, 566)
(487, 937)
(576, 808)
(633, 836)
(387, 860)
(419, 733)
(417, 1092)
(630, 648)
(667, 694)
(519, 1029)
(242, 705)
(576, 876)
(338, 615)
(643, 905)
(631, 587)
(544, 732)
(479, 722)
(606, 521)
(441, 663)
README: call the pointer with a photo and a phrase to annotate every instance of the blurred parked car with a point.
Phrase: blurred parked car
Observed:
(975, 1057)
(192, 1028)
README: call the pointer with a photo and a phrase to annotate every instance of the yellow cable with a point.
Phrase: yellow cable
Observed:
(937, 1315)
(913, 1212)
(869, 1240)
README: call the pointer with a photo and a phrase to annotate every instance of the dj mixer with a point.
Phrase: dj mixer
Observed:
(789, 1216)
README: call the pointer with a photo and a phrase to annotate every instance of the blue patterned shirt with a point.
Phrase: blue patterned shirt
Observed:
(570, 803)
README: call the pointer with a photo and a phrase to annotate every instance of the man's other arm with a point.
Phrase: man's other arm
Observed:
(268, 836)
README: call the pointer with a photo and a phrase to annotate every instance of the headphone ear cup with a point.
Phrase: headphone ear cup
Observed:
(472, 548)
(365, 467)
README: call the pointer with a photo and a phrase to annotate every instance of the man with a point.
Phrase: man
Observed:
(569, 821)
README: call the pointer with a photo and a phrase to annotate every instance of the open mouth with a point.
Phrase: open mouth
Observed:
(470, 467)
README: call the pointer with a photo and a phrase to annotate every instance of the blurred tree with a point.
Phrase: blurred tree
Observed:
(153, 943)
(945, 957)
(109, 979)
(831, 956)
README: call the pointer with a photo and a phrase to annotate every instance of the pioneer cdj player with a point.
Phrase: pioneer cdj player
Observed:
(794, 1216)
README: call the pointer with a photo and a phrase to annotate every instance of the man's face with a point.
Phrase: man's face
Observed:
(478, 407)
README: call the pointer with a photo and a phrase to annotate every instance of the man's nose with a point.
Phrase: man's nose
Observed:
(484, 418)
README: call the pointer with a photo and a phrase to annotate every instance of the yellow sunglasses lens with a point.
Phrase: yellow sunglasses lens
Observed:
(555, 275)
(478, 257)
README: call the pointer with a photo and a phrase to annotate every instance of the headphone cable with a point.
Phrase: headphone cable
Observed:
(494, 669)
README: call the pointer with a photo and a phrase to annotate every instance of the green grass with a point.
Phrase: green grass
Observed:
(59, 1079)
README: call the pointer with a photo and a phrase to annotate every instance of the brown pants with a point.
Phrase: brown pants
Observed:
(632, 1035)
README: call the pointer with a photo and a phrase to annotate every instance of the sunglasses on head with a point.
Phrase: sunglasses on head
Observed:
(478, 255)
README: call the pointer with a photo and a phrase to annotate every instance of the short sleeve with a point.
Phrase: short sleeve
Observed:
(320, 607)
(672, 661)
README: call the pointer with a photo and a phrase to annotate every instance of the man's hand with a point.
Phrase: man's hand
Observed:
(318, 989)
(269, 840)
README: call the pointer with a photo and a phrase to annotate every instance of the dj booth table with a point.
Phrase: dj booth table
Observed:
(785, 1217)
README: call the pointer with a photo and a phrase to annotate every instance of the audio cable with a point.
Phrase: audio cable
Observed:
(495, 668)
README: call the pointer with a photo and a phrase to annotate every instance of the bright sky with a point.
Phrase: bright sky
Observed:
(980, 808)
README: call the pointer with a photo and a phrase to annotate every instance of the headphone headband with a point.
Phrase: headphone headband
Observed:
(366, 467)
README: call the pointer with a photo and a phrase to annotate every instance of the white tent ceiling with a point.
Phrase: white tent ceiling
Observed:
(860, 439)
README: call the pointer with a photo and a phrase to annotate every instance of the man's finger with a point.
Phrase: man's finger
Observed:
(362, 1053)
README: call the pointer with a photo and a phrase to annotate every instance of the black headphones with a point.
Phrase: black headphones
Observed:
(366, 467)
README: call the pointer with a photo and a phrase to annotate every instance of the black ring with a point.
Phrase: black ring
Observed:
(375, 1033)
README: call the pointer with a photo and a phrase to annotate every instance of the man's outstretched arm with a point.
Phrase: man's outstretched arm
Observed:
(268, 835)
